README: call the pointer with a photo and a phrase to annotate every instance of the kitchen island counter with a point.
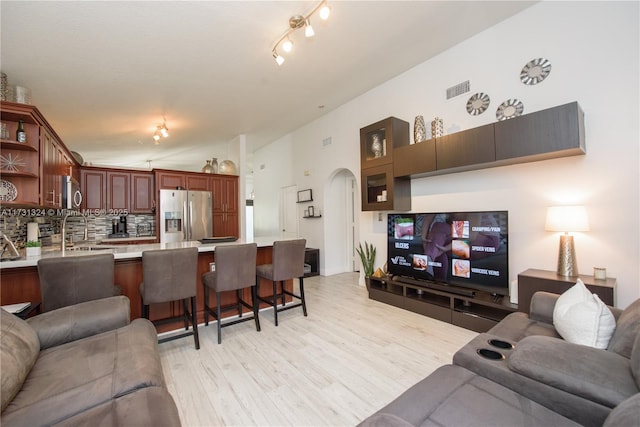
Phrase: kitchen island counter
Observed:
(20, 281)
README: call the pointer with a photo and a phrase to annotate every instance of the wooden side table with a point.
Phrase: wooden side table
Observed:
(532, 280)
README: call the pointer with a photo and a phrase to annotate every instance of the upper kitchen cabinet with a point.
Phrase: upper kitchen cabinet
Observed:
(118, 190)
(170, 180)
(142, 193)
(31, 170)
(378, 140)
(93, 183)
(225, 205)
(198, 182)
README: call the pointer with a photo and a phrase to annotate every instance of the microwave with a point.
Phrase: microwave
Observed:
(71, 195)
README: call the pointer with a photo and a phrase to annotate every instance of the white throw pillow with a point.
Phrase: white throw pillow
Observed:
(580, 317)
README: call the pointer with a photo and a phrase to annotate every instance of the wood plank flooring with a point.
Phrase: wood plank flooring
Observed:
(337, 366)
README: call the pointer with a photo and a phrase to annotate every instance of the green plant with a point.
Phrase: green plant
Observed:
(33, 244)
(368, 257)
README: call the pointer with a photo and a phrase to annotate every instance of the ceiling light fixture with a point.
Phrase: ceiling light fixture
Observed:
(296, 22)
(161, 131)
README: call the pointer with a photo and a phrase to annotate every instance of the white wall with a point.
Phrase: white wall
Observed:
(271, 172)
(594, 51)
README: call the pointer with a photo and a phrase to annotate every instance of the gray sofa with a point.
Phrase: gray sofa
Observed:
(529, 375)
(84, 364)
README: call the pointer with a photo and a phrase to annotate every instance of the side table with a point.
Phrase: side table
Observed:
(24, 312)
(532, 280)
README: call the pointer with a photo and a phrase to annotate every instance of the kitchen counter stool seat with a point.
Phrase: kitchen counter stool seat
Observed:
(66, 281)
(235, 270)
(287, 264)
(171, 275)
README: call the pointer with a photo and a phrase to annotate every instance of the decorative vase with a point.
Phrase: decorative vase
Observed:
(419, 130)
(376, 146)
(214, 165)
(207, 168)
(437, 127)
(227, 167)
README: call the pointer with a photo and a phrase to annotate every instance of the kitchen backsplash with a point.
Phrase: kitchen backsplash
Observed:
(15, 227)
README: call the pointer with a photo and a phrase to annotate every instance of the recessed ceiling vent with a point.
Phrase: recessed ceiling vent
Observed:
(458, 89)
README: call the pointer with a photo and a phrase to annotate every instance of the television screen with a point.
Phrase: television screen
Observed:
(468, 249)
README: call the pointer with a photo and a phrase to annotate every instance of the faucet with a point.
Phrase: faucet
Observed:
(63, 231)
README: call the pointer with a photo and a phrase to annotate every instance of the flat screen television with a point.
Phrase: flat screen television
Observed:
(462, 249)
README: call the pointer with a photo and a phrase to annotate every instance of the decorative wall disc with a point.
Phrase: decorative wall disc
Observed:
(11, 163)
(535, 71)
(478, 103)
(8, 191)
(509, 109)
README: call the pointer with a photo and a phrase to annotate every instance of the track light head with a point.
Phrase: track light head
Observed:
(287, 45)
(325, 11)
(279, 59)
(308, 29)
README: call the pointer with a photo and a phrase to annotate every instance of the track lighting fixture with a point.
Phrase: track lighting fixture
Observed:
(161, 131)
(296, 22)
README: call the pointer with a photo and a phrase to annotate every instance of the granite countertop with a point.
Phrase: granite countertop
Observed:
(129, 251)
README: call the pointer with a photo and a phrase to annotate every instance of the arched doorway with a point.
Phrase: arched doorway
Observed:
(342, 201)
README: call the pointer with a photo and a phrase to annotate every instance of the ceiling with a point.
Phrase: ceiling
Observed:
(106, 73)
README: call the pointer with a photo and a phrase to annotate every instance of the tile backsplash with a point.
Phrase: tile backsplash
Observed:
(15, 227)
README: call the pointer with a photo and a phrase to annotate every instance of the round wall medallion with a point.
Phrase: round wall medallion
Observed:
(509, 109)
(535, 71)
(8, 191)
(478, 103)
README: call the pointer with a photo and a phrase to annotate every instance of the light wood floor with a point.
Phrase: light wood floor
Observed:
(337, 366)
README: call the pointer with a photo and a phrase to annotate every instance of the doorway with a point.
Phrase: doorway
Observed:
(289, 212)
(341, 213)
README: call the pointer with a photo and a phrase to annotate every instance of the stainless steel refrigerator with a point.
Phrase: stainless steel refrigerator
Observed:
(185, 215)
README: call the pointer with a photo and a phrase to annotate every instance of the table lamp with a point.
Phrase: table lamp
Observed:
(567, 219)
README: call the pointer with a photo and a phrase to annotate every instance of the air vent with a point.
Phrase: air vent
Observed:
(326, 141)
(458, 89)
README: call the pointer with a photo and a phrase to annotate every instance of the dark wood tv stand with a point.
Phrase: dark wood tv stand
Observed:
(475, 310)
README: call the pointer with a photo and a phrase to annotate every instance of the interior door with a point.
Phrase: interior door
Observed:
(289, 210)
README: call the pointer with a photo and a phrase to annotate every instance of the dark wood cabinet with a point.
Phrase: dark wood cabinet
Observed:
(142, 193)
(381, 190)
(462, 149)
(118, 191)
(197, 182)
(93, 183)
(533, 280)
(39, 163)
(170, 180)
(226, 219)
(479, 312)
(547, 134)
(415, 159)
(550, 133)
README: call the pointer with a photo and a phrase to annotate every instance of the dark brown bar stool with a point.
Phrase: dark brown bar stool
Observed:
(67, 281)
(171, 275)
(235, 270)
(287, 263)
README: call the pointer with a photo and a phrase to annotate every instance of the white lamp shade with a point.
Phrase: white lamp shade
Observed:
(566, 218)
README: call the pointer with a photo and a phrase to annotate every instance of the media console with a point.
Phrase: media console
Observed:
(470, 309)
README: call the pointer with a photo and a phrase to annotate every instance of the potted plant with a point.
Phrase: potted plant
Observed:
(33, 248)
(368, 258)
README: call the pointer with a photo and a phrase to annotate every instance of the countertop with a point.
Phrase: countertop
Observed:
(130, 251)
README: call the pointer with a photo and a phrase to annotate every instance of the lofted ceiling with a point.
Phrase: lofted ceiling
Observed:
(106, 73)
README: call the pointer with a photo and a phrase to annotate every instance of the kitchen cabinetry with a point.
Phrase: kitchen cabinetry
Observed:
(533, 280)
(462, 149)
(381, 189)
(93, 183)
(170, 180)
(198, 182)
(35, 167)
(142, 194)
(225, 205)
(117, 190)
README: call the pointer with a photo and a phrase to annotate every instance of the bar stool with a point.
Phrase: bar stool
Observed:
(67, 281)
(287, 263)
(235, 270)
(171, 275)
